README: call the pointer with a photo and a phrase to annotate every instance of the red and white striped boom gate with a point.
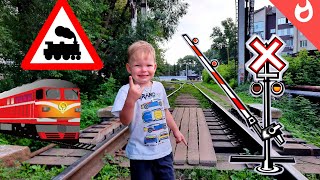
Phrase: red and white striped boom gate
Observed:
(251, 121)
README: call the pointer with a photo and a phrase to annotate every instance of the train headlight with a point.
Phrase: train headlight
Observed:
(45, 109)
(77, 110)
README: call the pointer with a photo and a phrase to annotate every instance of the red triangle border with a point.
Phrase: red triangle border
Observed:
(26, 63)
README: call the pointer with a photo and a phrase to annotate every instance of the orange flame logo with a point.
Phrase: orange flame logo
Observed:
(62, 107)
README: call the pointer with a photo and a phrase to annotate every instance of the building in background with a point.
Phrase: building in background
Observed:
(192, 75)
(269, 20)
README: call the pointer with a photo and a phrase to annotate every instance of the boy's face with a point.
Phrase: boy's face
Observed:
(142, 68)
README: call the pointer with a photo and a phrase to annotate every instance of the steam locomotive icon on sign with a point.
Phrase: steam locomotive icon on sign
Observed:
(66, 51)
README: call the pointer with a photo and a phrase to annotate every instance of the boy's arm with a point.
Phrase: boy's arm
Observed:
(126, 114)
(173, 126)
(170, 121)
(134, 93)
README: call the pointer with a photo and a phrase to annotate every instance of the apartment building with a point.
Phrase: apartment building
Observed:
(269, 20)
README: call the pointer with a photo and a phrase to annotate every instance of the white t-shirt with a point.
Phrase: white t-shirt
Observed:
(149, 135)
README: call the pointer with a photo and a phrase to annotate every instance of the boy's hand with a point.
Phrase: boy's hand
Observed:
(179, 137)
(135, 90)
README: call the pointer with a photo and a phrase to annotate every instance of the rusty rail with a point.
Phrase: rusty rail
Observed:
(90, 164)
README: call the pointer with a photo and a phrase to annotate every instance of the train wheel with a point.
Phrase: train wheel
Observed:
(48, 57)
(18, 130)
(72, 57)
(78, 57)
(57, 56)
(66, 57)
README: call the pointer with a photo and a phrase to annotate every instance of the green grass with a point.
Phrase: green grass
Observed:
(214, 87)
(301, 132)
(300, 117)
(27, 171)
(247, 98)
(215, 174)
(189, 89)
(114, 171)
(14, 140)
(243, 94)
(215, 97)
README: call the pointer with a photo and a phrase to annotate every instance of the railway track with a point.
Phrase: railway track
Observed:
(229, 136)
(86, 158)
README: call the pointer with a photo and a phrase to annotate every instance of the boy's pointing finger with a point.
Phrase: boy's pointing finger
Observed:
(184, 142)
(130, 81)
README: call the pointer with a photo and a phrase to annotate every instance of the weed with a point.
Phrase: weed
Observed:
(27, 171)
(214, 174)
(112, 170)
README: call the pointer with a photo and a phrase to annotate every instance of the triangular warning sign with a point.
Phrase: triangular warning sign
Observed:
(62, 44)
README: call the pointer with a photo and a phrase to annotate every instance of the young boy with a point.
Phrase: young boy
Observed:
(143, 105)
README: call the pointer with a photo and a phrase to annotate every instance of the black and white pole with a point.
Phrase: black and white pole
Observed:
(267, 166)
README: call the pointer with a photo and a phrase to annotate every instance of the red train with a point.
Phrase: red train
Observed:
(48, 109)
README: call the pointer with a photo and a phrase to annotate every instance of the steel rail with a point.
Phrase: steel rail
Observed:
(90, 164)
(181, 85)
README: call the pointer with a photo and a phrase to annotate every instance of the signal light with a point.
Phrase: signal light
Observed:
(195, 40)
(256, 88)
(214, 63)
(277, 88)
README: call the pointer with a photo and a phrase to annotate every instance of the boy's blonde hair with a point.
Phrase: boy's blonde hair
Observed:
(142, 47)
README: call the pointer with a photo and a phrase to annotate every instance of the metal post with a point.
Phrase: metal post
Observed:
(267, 166)
(187, 71)
(241, 41)
(267, 105)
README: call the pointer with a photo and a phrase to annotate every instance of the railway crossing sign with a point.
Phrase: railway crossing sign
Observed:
(267, 61)
(62, 44)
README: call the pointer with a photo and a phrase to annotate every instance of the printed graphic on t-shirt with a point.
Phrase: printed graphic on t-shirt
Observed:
(151, 104)
(147, 95)
(153, 117)
(163, 135)
(155, 127)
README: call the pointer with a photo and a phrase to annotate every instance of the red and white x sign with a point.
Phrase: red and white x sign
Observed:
(266, 52)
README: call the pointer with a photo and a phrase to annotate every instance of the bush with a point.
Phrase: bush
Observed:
(303, 69)
(107, 93)
(206, 77)
(227, 71)
(299, 111)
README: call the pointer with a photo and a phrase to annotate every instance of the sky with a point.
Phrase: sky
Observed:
(199, 22)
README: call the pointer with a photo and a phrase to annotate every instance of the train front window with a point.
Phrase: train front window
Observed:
(39, 94)
(70, 94)
(53, 94)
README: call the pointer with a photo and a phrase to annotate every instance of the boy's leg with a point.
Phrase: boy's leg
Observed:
(163, 168)
(141, 170)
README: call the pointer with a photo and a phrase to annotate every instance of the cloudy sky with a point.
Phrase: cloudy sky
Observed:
(201, 17)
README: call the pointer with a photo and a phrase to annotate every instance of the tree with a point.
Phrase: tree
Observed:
(192, 62)
(106, 23)
(225, 41)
